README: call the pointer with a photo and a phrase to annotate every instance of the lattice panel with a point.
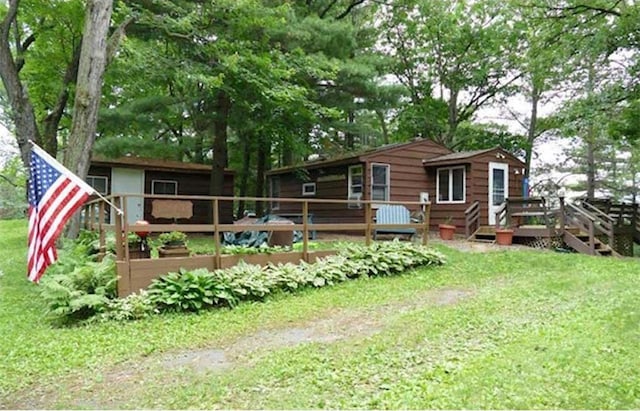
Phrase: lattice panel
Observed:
(622, 243)
(543, 242)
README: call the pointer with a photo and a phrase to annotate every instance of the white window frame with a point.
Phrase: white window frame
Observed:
(174, 182)
(309, 189)
(387, 182)
(450, 188)
(275, 205)
(350, 194)
(104, 178)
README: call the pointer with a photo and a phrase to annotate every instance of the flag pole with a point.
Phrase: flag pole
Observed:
(103, 198)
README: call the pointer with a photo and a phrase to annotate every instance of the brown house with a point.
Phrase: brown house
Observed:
(413, 171)
(153, 176)
(457, 180)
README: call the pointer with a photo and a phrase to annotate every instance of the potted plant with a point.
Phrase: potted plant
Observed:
(447, 230)
(504, 235)
(174, 244)
(174, 239)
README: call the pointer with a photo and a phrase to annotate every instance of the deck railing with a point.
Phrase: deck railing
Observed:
(589, 223)
(101, 217)
(472, 219)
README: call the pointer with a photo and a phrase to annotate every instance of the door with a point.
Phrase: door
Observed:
(498, 188)
(129, 181)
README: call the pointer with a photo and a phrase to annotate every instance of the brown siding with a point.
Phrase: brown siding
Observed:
(191, 184)
(100, 171)
(291, 187)
(477, 189)
(408, 176)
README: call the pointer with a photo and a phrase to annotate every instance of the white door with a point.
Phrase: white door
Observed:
(129, 181)
(498, 188)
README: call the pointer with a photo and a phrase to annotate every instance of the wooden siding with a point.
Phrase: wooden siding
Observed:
(190, 184)
(407, 179)
(334, 188)
(477, 189)
(100, 171)
(408, 176)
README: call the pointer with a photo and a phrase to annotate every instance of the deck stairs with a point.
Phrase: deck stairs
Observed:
(581, 228)
(580, 242)
(484, 234)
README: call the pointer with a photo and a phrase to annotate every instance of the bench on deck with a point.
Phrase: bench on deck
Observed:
(393, 214)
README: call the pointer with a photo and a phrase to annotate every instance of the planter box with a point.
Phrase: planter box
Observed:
(173, 252)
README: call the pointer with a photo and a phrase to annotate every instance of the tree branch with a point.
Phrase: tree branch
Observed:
(348, 9)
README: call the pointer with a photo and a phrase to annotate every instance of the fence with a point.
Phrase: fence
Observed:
(135, 274)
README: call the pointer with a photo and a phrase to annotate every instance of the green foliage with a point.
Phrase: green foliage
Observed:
(189, 291)
(173, 237)
(13, 179)
(197, 290)
(81, 293)
(135, 306)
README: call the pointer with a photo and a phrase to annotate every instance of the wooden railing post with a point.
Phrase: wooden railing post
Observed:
(216, 233)
(425, 229)
(367, 219)
(305, 231)
(592, 237)
(103, 247)
(118, 220)
(563, 216)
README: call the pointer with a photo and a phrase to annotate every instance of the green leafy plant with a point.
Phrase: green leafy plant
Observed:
(81, 293)
(133, 307)
(173, 238)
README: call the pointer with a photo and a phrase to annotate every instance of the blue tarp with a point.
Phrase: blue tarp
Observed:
(256, 238)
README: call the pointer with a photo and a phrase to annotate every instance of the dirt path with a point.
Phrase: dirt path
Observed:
(114, 386)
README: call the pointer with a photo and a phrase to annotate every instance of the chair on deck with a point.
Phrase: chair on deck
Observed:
(393, 214)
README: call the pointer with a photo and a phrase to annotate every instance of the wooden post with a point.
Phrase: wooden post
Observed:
(103, 247)
(563, 216)
(125, 232)
(367, 219)
(216, 233)
(592, 238)
(92, 217)
(425, 229)
(305, 231)
(118, 220)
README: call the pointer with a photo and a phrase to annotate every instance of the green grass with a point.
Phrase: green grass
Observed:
(526, 329)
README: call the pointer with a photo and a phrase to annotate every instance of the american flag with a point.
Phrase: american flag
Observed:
(55, 193)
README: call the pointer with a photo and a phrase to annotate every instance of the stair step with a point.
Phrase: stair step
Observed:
(483, 240)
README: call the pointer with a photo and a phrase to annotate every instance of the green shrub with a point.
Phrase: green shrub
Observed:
(190, 291)
(81, 293)
(133, 307)
(199, 289)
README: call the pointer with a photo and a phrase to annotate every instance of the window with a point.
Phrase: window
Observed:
(451, 185)
(355, 186)
(99, 183)
(164, 187)
(309, 189)
(380, 182)
(274, 192)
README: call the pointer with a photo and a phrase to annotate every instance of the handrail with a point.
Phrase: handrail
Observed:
(217, 227)
(471, 217)
(582, 216)
(500, 211)
(593, 209)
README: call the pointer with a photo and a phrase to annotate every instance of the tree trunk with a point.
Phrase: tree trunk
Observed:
(93, 59)
(244, 173)
(383, 126)
(52, 121)
(591, 167)
(263, 155)
(223, 105)
(452, 120)
(22, 112)
(531, 132)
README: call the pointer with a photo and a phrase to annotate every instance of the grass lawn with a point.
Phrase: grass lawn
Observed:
(513, 329)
